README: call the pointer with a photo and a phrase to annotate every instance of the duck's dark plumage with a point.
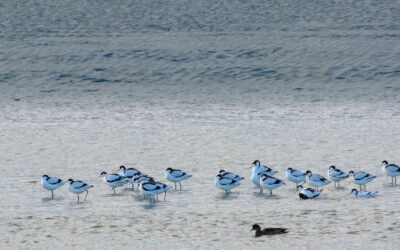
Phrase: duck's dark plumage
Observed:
(268, 231)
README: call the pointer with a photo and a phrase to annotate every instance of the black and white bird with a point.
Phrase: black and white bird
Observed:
(336, 175)
(308, 193)
(114, 180)
(150, 189)
(176, 175)
(316, 180)
(391, 170)
(270, 183)
(52, 183)
(258, 169)
(226, 184)
(295, 176)
(361, 178)
(78, 187)
(357, 194)
(130, 173)
(230, 175)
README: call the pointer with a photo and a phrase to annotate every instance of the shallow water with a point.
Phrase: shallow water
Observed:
(198, 86)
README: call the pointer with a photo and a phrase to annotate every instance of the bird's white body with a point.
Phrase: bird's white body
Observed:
(357, 194)
(176, 176)
(316, 180)
(115, 180)
(361, 178)
(51, 183)
(295, 176)
(230, 175)
(78, 187)
(258, 169)
(129, 173)
(309, 193)
(150, 188)
(336, 175)
(269, 182)
(391, 170)
(226, 184)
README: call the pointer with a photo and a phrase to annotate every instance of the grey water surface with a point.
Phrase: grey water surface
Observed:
(87, 86)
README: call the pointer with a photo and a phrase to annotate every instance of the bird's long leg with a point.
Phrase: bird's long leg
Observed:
(180, 185)
(395, 180)
(78, 197)
(261, 190)
(365, 187)
(165, 195)
(52, 195)
(133, 187)
(338, 184)
(114, 190)
(87, 192)
(175, 186)
(360, 187)
(270, 192)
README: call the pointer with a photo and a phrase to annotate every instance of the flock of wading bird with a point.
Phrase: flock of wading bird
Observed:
(262, 177)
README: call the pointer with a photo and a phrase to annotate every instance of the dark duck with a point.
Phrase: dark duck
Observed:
(267, 231)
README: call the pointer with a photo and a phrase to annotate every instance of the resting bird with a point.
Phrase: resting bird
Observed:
(114, 180)
(295, 176)
(316, 180)
(391, 170)
(336, 175)
(130, 173)
(267, 231)
(176, 175)
(364, 194)
(78, 187)
(230, 175)
(226, 184)
(258, 170)
(269, 182)
(51, 183)
(308, 193)
(361, 178)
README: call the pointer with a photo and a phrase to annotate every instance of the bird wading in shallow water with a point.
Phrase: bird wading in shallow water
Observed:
(361, 178)
(316, 180)
(129, 173)
(391, 170)
(52, 183)
(114, 180)
(336, 175)
(78, 187)
(295, 176)
(268, 231)
(226, 184)
(258, 169)
(269, 182)
(176, 175)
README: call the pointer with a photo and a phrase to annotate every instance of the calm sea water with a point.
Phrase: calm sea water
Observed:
(86, 86)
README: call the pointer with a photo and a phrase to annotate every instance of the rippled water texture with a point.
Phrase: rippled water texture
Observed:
(86, 86)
